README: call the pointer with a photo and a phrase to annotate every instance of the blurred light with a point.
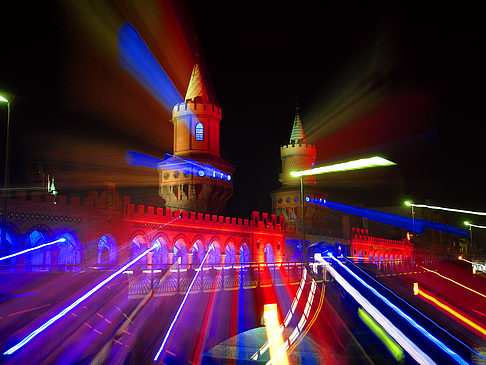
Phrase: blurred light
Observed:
(415, 289)
(270, 314)
(410, 320)
(3, 100)
(410, 204)
(404, 341)
(473, 225)
(454, 281)
(32, 249)
(211, 247)
(453, 312)
(415, 225)
(362, 163)
(136, 58)
(140, 159)
(61, 314)
(393, 347)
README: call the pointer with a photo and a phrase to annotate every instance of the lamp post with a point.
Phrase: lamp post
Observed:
(3, 240)
(362, 163)
(470, 225)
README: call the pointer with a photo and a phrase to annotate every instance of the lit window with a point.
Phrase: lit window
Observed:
(199, 132)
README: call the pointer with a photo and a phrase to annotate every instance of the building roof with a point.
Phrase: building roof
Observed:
(197, 90)
(297, 130)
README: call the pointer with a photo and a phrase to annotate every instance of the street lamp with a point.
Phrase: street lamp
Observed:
(3, 240)
(410, 204)
(470, 225)
(362, 163)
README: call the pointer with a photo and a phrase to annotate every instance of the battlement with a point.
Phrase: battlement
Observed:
(23, 200)
(359, 234)
(298, 149)
(201, 109)
(159, 215)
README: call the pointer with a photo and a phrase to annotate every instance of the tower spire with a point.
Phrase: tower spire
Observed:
(297, 129)
(197, 90)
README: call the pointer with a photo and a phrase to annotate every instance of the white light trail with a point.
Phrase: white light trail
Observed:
(33, 248)
(410, 204)
(182, 304)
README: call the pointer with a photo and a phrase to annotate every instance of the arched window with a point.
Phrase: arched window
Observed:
(199, 132)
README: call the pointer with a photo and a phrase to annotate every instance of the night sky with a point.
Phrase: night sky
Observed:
(403, 81)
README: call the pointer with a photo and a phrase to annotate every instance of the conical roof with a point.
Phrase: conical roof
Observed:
(297, 129)
(197, 90)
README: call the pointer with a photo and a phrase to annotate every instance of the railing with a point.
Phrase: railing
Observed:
(175, 279)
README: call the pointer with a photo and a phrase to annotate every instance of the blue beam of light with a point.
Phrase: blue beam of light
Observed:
(135, 58)
(33, 248)
(386, 323)
(410, 320)
(140, 159)
(172, 162)
(411, 307)
(182, 304)
(66, 310)
(414, 225)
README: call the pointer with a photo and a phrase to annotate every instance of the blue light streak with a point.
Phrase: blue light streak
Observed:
(135, 58)
(66, 310)
(440, 344)
(33, 248)
(413, 308)
(173, 162)
(414, 225)
(182, 304)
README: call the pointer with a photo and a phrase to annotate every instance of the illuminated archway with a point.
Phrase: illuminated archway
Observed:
(160, 252)
(179, 255)
(42, 256)
(10, 248)
(230, 256)
(138, 246)
(215, 254)
(70, 251)
(107, 250)
(197, 252)
(269, 255)
(245, 253)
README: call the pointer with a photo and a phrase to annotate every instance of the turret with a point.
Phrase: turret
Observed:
(196, 137)
(297, 155)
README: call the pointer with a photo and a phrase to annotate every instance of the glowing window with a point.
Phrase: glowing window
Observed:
(199, 132)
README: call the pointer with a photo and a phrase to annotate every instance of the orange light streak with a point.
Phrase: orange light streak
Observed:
(453, 312)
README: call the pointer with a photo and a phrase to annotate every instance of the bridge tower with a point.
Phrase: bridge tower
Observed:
(295, 156)
(196, 123)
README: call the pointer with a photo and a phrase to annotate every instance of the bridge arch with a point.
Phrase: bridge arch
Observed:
(39, 257)
(245, 255)
(107, 249)
(12, 246)
(230, 254)
(161, 250)
(179, 250)
(197, 250)
(139, 244)
(215, 254)
(70, 251)
(269, 253)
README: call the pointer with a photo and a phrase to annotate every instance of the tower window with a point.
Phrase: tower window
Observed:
(199, 132)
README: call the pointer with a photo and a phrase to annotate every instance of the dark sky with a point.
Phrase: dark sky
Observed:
(404, 81)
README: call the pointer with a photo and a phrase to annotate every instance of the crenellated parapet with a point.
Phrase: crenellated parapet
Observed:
(368, 245)
(193, 108)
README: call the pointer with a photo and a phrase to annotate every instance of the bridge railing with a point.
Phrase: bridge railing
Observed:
(173, 279)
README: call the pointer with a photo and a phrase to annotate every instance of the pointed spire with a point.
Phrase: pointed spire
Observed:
(197, 90)
(297, 129)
